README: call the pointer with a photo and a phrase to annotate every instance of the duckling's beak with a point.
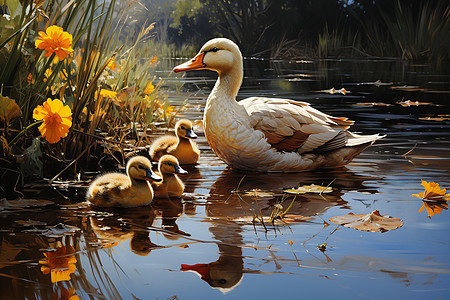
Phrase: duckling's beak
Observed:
(191, 134)
(193, 64)
(150, 175)
(179, 170)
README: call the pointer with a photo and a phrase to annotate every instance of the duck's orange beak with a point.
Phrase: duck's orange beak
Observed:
(193, 64)
(200, 269)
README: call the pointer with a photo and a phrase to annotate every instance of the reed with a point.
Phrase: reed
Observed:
(109, 84)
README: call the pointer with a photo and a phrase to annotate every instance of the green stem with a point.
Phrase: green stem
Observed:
(23, 131)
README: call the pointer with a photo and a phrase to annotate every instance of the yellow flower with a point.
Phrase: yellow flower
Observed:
(60, 263)
(108, 94)
(149, 89)
(57, 119)
(55, 40)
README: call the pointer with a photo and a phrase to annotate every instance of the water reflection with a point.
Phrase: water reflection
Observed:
(127, 224)
(137, 253)
(237, 197)
(227, 271)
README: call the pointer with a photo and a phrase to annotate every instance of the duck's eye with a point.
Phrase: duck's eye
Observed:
(141, 167)
(222, 281)
(215, 49)
(182, 127)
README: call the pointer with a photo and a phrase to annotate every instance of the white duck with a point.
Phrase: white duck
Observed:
(268, 134)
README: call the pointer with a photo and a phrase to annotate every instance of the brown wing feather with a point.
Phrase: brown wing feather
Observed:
(291, 143)
(291, 125)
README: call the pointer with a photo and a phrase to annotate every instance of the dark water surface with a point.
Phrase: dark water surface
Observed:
(146, 252)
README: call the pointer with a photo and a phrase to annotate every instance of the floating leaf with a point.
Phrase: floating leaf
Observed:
(433, 192)
(258, 193)
(434, 198)
(438, 118)
(370, 222)
(373, 104)
(317, 189)
(7, 205)
(322, 247)
(290, 242)
(30, 223)
(377, 83)
(334, 91)
(9, 109)
(407, 103)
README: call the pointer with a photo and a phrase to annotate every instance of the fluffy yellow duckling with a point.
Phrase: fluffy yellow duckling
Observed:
(116, 189)
(181, 146)
(171, 185)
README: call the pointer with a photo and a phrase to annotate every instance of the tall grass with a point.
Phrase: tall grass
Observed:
(420, 37)
(30, 78)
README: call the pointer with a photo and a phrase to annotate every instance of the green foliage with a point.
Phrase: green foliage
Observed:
(82, 80)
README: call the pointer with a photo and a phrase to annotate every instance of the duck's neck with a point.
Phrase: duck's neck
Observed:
(226, 88)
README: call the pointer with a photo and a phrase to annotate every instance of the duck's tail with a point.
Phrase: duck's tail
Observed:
(354, 139)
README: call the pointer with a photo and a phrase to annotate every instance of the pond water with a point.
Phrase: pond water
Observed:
(208, 244)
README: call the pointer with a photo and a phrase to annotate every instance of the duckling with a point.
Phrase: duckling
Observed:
(116, 189)
(181, 146)
(171, 185)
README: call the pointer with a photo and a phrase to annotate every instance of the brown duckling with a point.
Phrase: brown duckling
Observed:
(181, 146)
(171, 185)
(116, 189)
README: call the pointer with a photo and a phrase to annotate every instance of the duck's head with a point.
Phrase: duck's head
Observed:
(140, 168)
(168, 164)
(219, 54)
(183, 129)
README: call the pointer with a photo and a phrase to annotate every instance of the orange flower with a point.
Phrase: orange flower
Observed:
(153, 59)
(66, 294)
(57, 119)
(60, 263)
(55, 40)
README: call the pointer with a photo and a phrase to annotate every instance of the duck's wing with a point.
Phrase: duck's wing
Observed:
(295, 126)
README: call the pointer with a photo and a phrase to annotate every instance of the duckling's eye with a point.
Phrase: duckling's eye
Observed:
(215, 49)
(222, 281)
(141, 167)
(182, 127)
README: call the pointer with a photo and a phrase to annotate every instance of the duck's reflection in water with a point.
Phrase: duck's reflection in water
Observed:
(236, 197)
(126, 224)
(226, 272)
(169, 210)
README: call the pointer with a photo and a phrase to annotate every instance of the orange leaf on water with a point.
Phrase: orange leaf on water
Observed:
(434, 198)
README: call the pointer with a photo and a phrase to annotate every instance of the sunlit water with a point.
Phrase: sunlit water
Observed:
(146, 253)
